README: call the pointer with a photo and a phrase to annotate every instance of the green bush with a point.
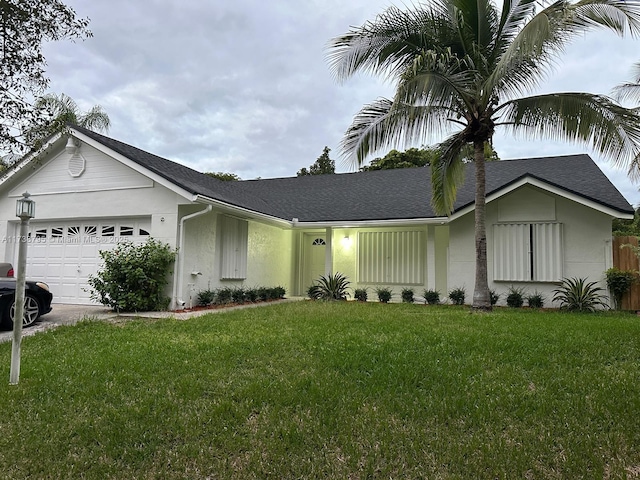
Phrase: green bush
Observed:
(206, 297)
(576, 295)
(620, 282)
(384, 294)
(224, 296)
(134, 277)
(407, 295)
(330, 287)
(535, 300)
(515, 297)
(493, 297)
(457, 295)
(278, 292)
(237, 295)
(360, 294)
(432, 297)
(251, 295)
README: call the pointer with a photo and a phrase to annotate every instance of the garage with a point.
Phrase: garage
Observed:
(63, 254)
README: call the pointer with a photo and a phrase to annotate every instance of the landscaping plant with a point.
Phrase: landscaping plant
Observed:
(360, 294)
(578, 295)
(384, 294)
(432, 297)
(407, 295)
(619, 283)
(535, 300)
(206, 297)
(133, 277)
(493, 297)
(457, 295)
(515, 297)
(330, 287)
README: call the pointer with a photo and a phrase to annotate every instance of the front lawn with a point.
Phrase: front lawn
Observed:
(328, 390)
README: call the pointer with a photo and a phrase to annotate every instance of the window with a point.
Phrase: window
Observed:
(391, 257)
(233, 248)
(524, 252)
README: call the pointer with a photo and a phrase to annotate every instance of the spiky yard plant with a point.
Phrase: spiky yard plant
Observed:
(468, 67)
(578, 295)
(330, 287)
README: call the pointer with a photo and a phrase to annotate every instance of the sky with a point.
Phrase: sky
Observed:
(244, 86)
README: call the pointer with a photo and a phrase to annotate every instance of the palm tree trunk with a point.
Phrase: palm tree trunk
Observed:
(481, 300)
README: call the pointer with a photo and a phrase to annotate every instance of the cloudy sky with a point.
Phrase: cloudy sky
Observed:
(243, 86)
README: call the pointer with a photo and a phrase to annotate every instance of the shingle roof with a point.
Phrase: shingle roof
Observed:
(376, 195)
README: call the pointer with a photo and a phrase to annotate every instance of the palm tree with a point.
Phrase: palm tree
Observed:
(461, 68)
(58, 111)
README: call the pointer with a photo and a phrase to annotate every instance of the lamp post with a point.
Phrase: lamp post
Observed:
(25, 209)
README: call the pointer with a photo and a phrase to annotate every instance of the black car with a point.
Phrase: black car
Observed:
(37, 301)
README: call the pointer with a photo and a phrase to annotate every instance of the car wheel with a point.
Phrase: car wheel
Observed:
(31, 311)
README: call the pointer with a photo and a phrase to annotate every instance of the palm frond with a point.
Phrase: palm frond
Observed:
(447, 173)
(526, 58)
(387, 45)
(629, 90)
(594, 120)
(384, 123)
(95, 119)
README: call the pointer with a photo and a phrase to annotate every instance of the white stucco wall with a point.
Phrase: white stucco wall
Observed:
(269, 255)
(586, 240)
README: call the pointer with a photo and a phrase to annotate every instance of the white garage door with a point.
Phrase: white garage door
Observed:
(64, 254)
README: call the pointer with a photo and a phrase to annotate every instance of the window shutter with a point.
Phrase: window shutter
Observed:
(234, 241)
(547, 248)
(511, 252)
(391, 257)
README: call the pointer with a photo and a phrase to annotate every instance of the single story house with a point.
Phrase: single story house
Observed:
(547, 219)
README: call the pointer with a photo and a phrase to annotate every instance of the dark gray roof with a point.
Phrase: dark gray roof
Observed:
(378, 195)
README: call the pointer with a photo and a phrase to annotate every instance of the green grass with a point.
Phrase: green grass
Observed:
(328, 390)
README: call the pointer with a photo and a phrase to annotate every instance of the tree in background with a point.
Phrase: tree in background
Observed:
(225, 177)
(414, 157)
(420, 157)
(322, 165)
(24, 27)
(58, 111)
(469, 65)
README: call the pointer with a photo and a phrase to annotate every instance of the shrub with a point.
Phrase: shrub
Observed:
(493, 297)
(278, 292)
(237, 295)
(515, 297)
(330, 287)
(360, 294)
(384, 294)
(535, 300)
(263, 294)
(251, 295)
(224, 296)
(206, 297)
(432, 297)
(134, 277)
(407, 295)
(457, 295)
(576, 295)
(620, 282)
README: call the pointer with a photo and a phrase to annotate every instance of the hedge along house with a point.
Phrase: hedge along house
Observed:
(547, 219)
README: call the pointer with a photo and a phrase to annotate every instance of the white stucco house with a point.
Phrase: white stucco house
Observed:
(547, 219)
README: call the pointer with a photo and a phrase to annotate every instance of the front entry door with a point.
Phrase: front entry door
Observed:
(314, 258)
